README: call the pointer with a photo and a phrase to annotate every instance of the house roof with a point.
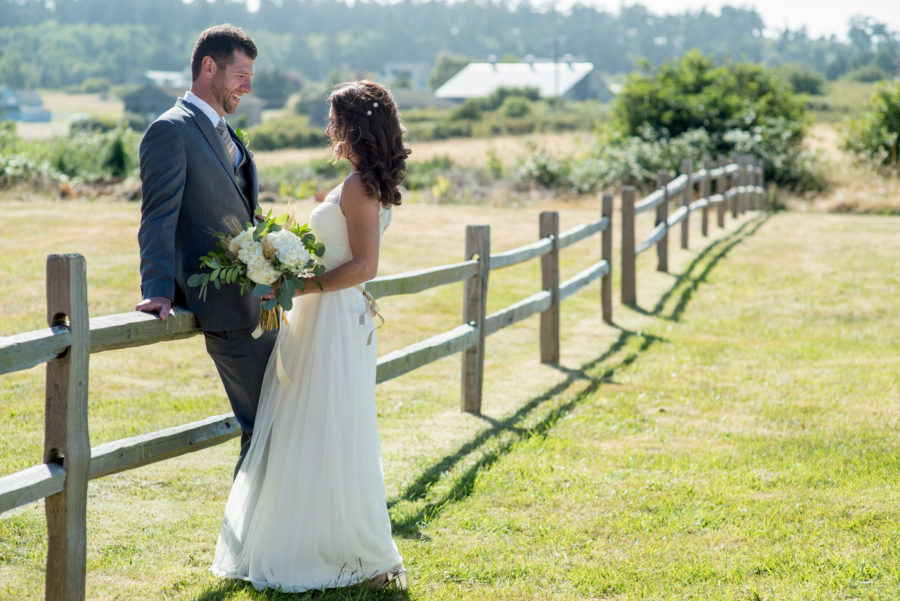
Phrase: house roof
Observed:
(480, 79)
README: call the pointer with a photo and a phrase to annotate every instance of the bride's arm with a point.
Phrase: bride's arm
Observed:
(361, 213)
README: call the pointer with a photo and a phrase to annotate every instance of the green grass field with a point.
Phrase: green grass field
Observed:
(734, 436)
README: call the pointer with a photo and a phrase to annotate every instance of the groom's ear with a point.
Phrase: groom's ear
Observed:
(208, 66)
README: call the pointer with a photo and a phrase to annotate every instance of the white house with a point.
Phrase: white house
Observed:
(563, 79)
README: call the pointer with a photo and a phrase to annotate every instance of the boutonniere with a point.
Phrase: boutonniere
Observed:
(242, 136)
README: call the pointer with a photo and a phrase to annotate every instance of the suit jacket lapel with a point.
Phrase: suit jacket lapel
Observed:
(212, 137)
(251, 173)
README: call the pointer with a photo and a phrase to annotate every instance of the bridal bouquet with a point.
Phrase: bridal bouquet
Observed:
(274, 257)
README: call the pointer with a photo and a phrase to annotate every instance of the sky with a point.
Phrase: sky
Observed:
(820, 17)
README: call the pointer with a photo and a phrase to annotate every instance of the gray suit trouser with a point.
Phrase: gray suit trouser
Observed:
(241, 361)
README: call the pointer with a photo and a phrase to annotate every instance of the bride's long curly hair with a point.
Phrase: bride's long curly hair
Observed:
(367, 130)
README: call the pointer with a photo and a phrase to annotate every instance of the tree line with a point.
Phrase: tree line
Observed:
(62, 43)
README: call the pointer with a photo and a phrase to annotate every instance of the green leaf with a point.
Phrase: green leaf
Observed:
(215, 273)
(308, 239)
(319, 249)
(198, 279)
(287, 289)
(260, 231)
(270, 304)
(319, 269)
(217, 284)
(286, 297)
(261, 290)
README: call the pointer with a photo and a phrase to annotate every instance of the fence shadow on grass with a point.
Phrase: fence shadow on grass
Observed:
(501, 436)
(686, 283)
(708, 259)
(499, 439)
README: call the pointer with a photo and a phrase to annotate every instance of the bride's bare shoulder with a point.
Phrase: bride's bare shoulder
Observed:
(354, 189)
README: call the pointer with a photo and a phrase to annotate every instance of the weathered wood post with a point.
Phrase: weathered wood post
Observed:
(478, 244)
(549, 228)
(744, 182)
(762, 185)
(629, 293)
(722, 188)
(606, 211)
(66, 438)
(705, 192)
(735, 180)
(686, 197)
(662, 218)
(760, 194)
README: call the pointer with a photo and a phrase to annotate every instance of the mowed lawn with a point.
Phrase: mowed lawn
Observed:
(734, 436)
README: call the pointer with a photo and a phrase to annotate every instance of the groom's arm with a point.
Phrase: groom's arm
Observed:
(163, 171)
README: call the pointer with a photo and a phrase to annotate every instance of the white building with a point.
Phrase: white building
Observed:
(564, 79)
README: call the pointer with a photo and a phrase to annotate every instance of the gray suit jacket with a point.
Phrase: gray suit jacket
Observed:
(190, 192)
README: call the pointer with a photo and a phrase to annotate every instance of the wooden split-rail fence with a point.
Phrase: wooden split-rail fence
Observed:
(69, 462)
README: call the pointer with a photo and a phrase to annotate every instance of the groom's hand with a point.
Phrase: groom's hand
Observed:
(156, 304)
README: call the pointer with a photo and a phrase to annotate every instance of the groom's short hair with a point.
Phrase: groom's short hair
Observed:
(220, 42)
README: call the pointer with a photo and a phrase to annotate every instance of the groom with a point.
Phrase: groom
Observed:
(197, 178)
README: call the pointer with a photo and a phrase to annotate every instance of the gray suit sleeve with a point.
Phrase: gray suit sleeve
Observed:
(163, 171)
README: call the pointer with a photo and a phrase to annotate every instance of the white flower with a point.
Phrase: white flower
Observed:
(240, 241)
(262, 271)
(289, 250)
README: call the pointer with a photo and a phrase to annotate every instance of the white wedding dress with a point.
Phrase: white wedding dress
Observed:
(307, 508)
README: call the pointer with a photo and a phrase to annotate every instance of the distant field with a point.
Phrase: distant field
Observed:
(466, 152)
(844, 99)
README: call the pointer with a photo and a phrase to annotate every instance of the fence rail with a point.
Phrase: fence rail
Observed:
(739, 185)
(65, 346)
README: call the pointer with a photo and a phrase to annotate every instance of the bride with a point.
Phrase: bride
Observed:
(307, 508)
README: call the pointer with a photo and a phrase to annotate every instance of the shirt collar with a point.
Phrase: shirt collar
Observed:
(201, 104)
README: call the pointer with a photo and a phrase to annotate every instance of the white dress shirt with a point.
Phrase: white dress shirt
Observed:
(214, 119)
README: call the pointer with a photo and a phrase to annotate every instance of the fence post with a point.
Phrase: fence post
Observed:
(662, 217)
(66, 437)
(722, 188)
(744, 163)
(478, 243)
(758, 181)
(705, 192)
(606, 211)
(549, 227)
(732, 181)
(629, 293)
(686, 197)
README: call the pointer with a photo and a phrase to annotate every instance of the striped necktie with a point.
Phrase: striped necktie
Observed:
(227, 141)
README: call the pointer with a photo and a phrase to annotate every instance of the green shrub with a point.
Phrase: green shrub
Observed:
(867, 73)
(424, 174)
(875, 136)
(96, 124)
(288, 131)
(495, 99)
(515, 107)
(803, 80)
(694, 93)
(95, 85)
(471, 108)
(739, 107)
(544, 169)
(789, 165)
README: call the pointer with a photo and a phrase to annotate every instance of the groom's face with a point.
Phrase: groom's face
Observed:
(232, 80)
